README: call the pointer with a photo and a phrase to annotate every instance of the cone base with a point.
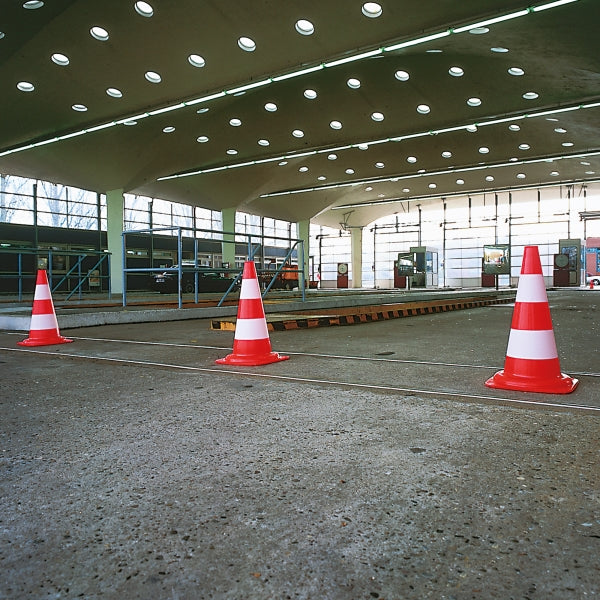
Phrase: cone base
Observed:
(251, 361)
(560, 384)
(52, 340)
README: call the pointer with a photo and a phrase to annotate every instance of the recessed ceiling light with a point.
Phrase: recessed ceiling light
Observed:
(456, 71)
(369, 188)
(447, 154)
(479, 30)
(432, 186)
(114, 93)
(380, 165)
(99, 33)
(406, 190)
(560, 130)
(567, 144)
(460, 182)
(524, 146)
(247, 44)
(363, 146)
(353, 83)
(483, 150)
(401, 75)
(516, 71)
(60, 59)
(25, 86)
(349, 171)
(203, 110)
(298, 133)
(263, 142)
(411, 159)
(530, 95)
(169, 129)
(471, 128)
(421, 171)
(332, 157)
(79, 107)
(304, 27)
(371, 10)
(196, 60)
(474, 101)
(270, 107)
(321, 178)
(554, 173)
(521, 176)
(423, 109)
(235, 122)
(153, 77)
(2, 34)
(310, 94)
(590, 172)
(514, 127)
(335, 125)
(303, 169)
(377, 116)
(130, 123)
(489, 178)
(282, 163)
(231, 151)
(33, 4)
(144, 9)
(585, 163)
(434, 51)
(513, 159)
(551, 119)
(499, 49)
(202, 139)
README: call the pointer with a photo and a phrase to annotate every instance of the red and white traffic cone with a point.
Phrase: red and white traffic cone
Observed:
(251, 344)
(532, 363)
(43, 330)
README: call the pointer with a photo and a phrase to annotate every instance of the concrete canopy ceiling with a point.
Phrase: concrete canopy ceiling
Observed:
(173, 141)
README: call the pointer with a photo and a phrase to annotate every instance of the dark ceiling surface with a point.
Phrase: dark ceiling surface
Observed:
(463, 121)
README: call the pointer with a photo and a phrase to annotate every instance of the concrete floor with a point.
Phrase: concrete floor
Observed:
(372, 464)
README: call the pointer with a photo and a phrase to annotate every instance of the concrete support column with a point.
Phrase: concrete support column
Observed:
(115, 213)
(227, 248)
(303, 233)
(356, 254)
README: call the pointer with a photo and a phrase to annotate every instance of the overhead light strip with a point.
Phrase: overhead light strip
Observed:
(300, 72)
(410, 136)
(395, 178)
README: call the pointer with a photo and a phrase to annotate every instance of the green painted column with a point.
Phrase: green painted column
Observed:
(303, 233)
(115, 213)
(356, 255)
(228, 249)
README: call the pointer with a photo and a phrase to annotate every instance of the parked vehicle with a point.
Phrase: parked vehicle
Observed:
(208, 280)
(595, 279)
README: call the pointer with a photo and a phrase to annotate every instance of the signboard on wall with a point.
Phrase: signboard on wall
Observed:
(496, 259)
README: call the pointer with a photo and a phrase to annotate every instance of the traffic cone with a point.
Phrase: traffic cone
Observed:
(251, 344)
(43, 330)
(532, 363)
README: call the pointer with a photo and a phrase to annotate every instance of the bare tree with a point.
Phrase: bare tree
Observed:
(12, 196)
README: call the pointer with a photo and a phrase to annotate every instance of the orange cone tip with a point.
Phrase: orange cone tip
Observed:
(251, 344)
(43, 330)
(532, 363)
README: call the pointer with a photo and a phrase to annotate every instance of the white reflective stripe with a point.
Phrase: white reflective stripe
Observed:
(43, 322)
(42, 292)
(250, 289)
(251, 329)
(531, 289)
(534, 345)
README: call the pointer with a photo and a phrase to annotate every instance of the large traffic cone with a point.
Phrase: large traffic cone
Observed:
(531, 357)
(251, 344)
(43, 330)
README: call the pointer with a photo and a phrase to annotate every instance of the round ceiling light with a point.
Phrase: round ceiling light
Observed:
(349, 171)
(25, 86)
(353, 83)
(169, 129)
(371, 10)
(474, 101)
(411, 159)
(335, 125)
(530, 95)
(516, 71)
(298, 133)
(432, 186)
(79, 107)
(303, 169)
(479, 30)
(114, 93)
(514, 127)
(521, 176)
(483, 150)
(196, 60)
(60, 59)
(377, 116)
(235, 122)
(524, 146)
(554, 173)
(401, 75)
(332, 157)
(460, 182)
(153, 77)
(423, 109)
(560, 130)
(33, 4)
(471, 128)
(304, 27)
(456, 71)
(263, 142)
(499, 49)
(144, 9)
(202, 139)
(232, 152)
(379, 165)
(310, 94)
(270, 107)
(99, 33)
(446, 154)
(247, 44)
(489, 178)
